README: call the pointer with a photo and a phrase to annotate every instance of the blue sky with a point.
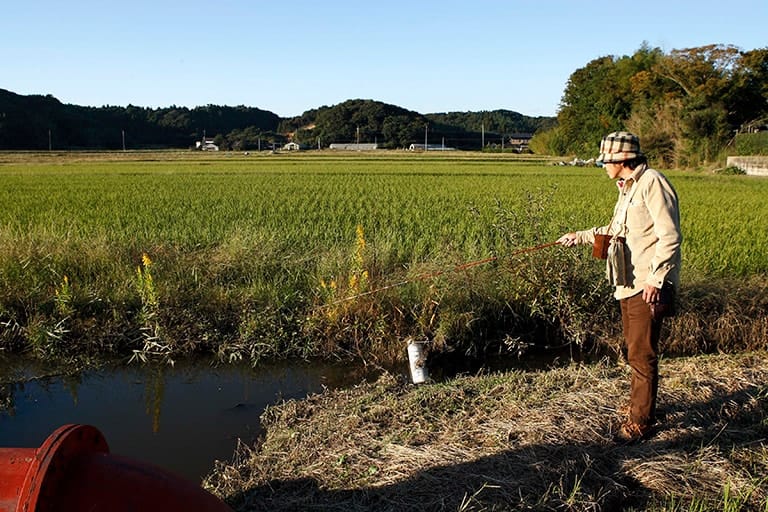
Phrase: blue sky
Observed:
(288, 57)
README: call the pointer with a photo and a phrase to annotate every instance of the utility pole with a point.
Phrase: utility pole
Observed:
(426, 129)
(123, 140)
(358, 138)
(50, 145)
(482, 140)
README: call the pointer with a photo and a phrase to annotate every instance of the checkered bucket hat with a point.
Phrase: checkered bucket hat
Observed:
(618, 147)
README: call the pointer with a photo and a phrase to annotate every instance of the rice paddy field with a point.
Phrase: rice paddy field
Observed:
(155, 256)
(267, 255)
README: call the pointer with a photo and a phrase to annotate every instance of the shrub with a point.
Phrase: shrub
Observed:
(751, 143)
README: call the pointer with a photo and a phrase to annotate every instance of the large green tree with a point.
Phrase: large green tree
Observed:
(684, 105)
(749, 94)
(598, 98)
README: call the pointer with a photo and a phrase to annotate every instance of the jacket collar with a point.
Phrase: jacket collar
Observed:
(637, 173)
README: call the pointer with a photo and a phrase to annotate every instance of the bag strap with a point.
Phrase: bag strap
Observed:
(610, 224)
(626, 201)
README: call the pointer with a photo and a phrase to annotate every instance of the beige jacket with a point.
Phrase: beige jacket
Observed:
(647, 214)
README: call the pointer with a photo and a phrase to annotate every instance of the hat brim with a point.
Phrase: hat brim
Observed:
(609, 158)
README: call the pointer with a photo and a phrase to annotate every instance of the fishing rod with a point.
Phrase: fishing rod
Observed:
(432, 275)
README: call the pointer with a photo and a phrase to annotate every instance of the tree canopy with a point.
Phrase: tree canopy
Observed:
(40, 122)
(685, 105)
(35, 122)
(394, 127)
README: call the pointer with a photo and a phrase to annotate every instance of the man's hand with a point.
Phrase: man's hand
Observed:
(651, 294)
(567, 240)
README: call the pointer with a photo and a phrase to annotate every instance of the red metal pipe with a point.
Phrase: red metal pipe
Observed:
(73, 471)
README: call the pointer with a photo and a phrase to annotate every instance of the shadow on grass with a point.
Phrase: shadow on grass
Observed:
(676, 464)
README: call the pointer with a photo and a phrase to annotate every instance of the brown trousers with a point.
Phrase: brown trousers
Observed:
(641, 335)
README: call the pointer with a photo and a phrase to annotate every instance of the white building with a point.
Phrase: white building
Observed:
(206, 145)
(430, 147)
(354, 146)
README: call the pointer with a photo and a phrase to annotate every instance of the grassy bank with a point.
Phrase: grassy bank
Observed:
(514, 440)
(248, 257)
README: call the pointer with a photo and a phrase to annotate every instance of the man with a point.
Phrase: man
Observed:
(643, 263)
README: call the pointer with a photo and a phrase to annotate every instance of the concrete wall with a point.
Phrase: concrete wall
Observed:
(752, 165)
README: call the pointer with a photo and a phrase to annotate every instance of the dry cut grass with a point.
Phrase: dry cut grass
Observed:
(514, 440)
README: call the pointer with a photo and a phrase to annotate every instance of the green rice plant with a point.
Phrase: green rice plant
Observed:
(246, 243)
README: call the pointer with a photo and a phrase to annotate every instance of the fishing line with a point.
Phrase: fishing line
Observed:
(432, 275)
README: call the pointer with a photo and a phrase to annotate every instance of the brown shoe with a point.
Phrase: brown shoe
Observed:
(630, 432)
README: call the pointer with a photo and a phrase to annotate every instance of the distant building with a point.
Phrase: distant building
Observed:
(206, 145)
(430, 147)
(353, 146)
(756, 126)
(520, 141)
(292, 146)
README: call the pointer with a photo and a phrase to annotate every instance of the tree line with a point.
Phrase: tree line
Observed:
(394, 127)
(38, 122)
(687, 105)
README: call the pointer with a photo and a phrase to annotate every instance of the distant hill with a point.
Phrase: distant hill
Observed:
(27, 121)
(496, 122)
(38, 122)
(392, 126)
(357, 120)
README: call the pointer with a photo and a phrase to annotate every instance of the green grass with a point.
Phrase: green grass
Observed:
(240, 245)
(413, 207)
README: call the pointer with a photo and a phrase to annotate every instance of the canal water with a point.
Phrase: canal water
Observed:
(186, 417)
(181, 418)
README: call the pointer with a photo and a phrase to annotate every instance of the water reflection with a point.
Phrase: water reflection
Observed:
(181, 418)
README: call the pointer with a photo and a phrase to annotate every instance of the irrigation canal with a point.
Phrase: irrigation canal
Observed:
(181, 418)
(184, 417)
